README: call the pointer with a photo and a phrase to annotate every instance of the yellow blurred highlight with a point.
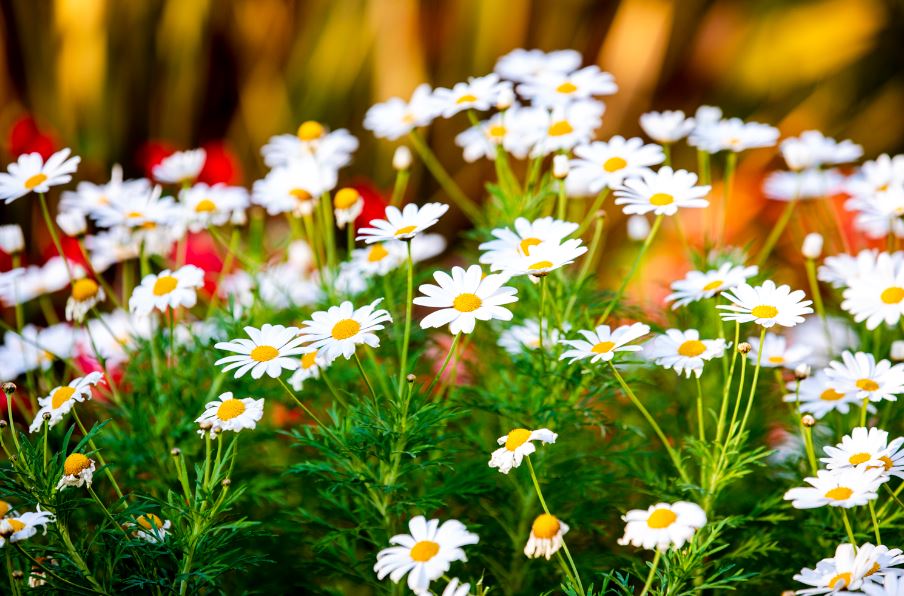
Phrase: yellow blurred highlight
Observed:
(82, 59)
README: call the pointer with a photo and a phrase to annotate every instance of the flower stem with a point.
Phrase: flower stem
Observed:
(97, 452)
(449, 185)
(54, 236)
(872, 513)
(643, 250)
(364, 376)
(810, 265)
(403, 367)
(398, 189)
(863, 409)
(756, 375)
(591, 216)
(700, 421)
(847, 527)
(445, 363)
(652, 574)
(776, 233)
(726, 389)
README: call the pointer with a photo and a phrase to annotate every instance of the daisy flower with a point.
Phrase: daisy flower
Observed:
(545, 536)
(525, 65)
(340, 329)
(204, 206)
(395, 117)
(479, 93)
(404, 224)
(766, 305)
(78, 470)
(846, 487)
(182, 167)
(543, 258)
(295, 188)
(732, 135)
(144, 213)
(150, 528)
(61, 400)
(309, 368)
(879, 215)
(860, 375)
(516, 445)
(876, 295)
(167, 289)
(602, 165)
(844, 270)
(558, 88)
(230, 413)
(19, 527)
(72, 223)
(30, 173)
(892, 585)
(666, 127)
(426, 553)
(777, 353)
(527, 234)
(517, 339)
(808, 184)
(268, 350)
(837, 574)
(661, 192)
(869, 447)
(877, 175)
(662, 525)
(601, 344)
(511, 129)
(683, 351)
(86, 294)
(456, 588)
(699, 285)
(465, 297)
(330, 148)
(812, 149)
(563, 127)
(347, 206)
(818, 396)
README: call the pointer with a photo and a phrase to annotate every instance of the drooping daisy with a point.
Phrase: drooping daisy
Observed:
(396, 117)
(270, 350)
(661, 192)
(182, 167)
(61, 400)
(545, 536)
(230, 413)
(766, 305)
(683, 351)
(150, 528)
(525, 65)
(30, 173)
(294, 188)
(204, 206)
(869, 447)
(662, 525)
(777, 353)
(847, 487)
(311, 363)
(812, 149)
(666, 127)
(340, 329)
(168, 289)
(86, 294)
(516, 339)
(19, 527)
(557, 88)
(516, 445)
(426, 553)
(465, 297)
(602, 165)
(698, 285)
(526, 236)
(478, 93)
(601, 344)
(733, 135)
(78, 470)
(818, 396)
(838, 574)
(404, 224)
(876, 295)
(347, 205)
(543, 258)
(861, 375)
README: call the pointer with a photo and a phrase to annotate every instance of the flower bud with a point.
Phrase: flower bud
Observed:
(18, 574)
(226, 482)
(175, 452)
(9, 388)
(808, 420)
(812, 247)
(744, 347)
(11, 239)
(73, 223)
(2, 423)
(206, 425)
(401, 159)
(560, 166)
(638, 228)
(46, 416)
(802, 372)
(897, 350)
(411, 378)
(506, 98)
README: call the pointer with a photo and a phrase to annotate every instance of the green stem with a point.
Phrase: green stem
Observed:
(776, 233)
(643, 250)
(403, 368)
(445, 364)
(726, 388)
(756, 375)
(810, 265)
(51, 227)
(872, 513)
(863, 411)
(847, 527)
(398, 190)
(652, 574)
(469, 207)
(364, 376)
(700, 421)
(97, 452)
(731, 162)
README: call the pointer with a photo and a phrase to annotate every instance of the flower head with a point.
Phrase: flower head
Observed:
(478, 93)
(465, 297)
(545, 536)
(230, 413)
(766, 305)
(666, 127)
(396, 117)
(844, 487)
(86, 294)
(167, 289)
(61, 400)
(78, 470)
(777, 353)
(683, 351)
(862, 376)
(404, 224)
(19, 527)
(869, 447)
(699, 285)
(30, 173)
(663, 525)
(269, 350)
(150, 528)
(818, 396)
(516, 445)
(601, 344)
(600, 165)
(526, 65)
(182, 167)
(543, 258)
(661, 192)
(339, 330)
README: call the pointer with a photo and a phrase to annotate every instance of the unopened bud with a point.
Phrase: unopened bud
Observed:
(239, 217)
(11, 239)
(897, 350)
(9, 388)
(802, 372)
(638, 228)
(788, 593)
(17, 574)
(506, 98)
(175, 452)
(206, 425)
(411, 378)
(2, 423)
(401, 159)
(744, 347)
(812, 247)
(46, 416)
(808, 420)
(560, 166)
(226, 482)
(73, 223)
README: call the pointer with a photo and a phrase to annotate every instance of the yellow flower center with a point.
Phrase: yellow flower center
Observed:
(876, 567)
(566, 87)
(603, 347)
(764, 311)
(661, 518)
(560, 128)
(377, 253)
(528, 243)
(346, 197)
(149, 521)
(35, 180)
(713, 285)
(134, 215)
(614, 164)
(545, 526)
(776, 359)
(230, 408)
(61, 396)
(301, 195)
(839, 493)
(496, 131)
(83, 289)
(887, 462)
(264, 353)
(517, 438)
(540, 265)
(830, 395)
(405, 230)
(164, 285)
(467, 98)
(661, 198)
(310, 130)
(892, 295)
(466, 302)
(205, 206)
(844, 579)
(308, 360)
(424, 550)
(867, 384)
(4, 508)
(75, 464)
(691, 348)
(859, 458)
(15, 525)
(345, 329)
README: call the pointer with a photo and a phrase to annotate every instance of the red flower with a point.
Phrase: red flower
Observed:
(26, 137)
(221, 166)
(374, 203)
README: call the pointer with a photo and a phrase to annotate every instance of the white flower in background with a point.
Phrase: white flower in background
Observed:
(347, 206)
(144, 212)
(637, 227)
(812, 246)
(543, 258)
(24, 284)
(85, 295)
(309, 368)
(150, 528)
(812, 149)
(683, 351)
(526, 65)
(869, 447)
(11, 239)
(526, 236)
(554, 88)
(425, 554)
(666, 127)
(115, 334)
(766, 305)
(182, 167)
(563, 127)
(19, 527)
(876, 176)
(513, 130)
(62, 398)
(812, 333)
(35, 349)
(844, 270)
(72, 222)
(663, 525)
(382, 257)
(661, 192)
(545, 536)
(339, 330)
(205, 205)
(817, 396)
(285, 285)
(777, 353)
(167, 289)
(876, 296)
(861, 375)
(294, 188)
(601, 344)
(270, 349)
(808, 184)
(847, 487)
(516, 445)
(230, 413)
(478, 93)
(89, 197)
(465, 297)
(78, 471)
(396, 117)
(700, 285)
(30, 173)
(404, 224)
(518, 339)
(880, 214)
(733, 135)
(111, 247)
(330, 148)
(602, 165)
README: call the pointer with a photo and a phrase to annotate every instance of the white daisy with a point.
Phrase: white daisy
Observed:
(527, 234)
(396, 117)
(525, 65)
(478, 93)
(812, 149)
(150, 528)
(72, 223)
(733, 135)
(601, 344)
(144, 212)
(309, 368)
(465, 297)
(61, 400)
(78, 470)
(869, 447)
(818, 396)
(333, 148)
(89, 197)
(347, 206)
(563, 127)
(777, 353)
(847, 487)
(666, 127)
(426, 553)
(876, 295)
(230, 413)
(85, 295)
(807, 184)
(662, 525)
(838, 574)
(516, 445)
(204, 206)
(11, 239)
(294, 188)
(683, 351)
(30, 173)
(19, 527)
(269, 351)
(167, 289)
(558, 88)
(879, 215)
(766, 305)
(456, 588)
(182, 167)
(340, 329)
(892, 585)
(404, 224)
(512, 129)
(545, 536)
(602, 165)
(699, 285)
(661, 192)
(518, 339)
(844, 270)
(860, 375)
(543, 258)
(877, 175)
